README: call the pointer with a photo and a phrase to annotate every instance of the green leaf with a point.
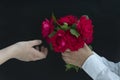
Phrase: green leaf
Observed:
(74, 32)
(54, 18)
(70, 66)
(77, 69)
(52, 34)
(58, 28)
(73, 26)
(86, 16)
(51, 46)
(65, 26)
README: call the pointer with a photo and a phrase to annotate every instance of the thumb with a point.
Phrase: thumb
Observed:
(35, 42)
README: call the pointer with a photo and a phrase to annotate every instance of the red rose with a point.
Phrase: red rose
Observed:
(74, 43)
(59, 41)
(70, 20)
(85, 28)
(47, 28)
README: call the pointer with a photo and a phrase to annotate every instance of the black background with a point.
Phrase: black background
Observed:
(21, 20)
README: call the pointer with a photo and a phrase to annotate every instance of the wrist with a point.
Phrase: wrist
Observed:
(85, 57)
(8, 52)
(5, 55)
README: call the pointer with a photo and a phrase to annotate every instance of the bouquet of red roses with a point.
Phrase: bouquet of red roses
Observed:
(68, 32)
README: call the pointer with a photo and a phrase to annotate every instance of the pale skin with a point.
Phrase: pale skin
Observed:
(23, 51)
(77, 58)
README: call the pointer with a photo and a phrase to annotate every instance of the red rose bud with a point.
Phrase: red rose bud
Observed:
(70, 20)
(47, 28)
(85, 28)
(59, 41)
(73, 42)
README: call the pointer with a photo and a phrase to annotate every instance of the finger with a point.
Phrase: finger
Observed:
(42, 48)
(34, 57)
(63, 56)
(86, 47)
(46, 51)
(34, 42)
(37, 48)
(66, 55)
(68, 50)
(34, 51)
(37, 55)
(65, 59)
(40, 54)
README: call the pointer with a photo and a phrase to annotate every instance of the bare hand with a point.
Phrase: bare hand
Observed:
(77, 58)
(24, 51)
